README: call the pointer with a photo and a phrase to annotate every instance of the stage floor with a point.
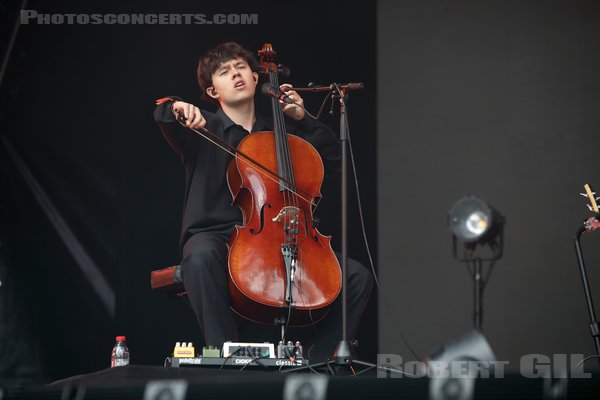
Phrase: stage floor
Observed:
(153, 382)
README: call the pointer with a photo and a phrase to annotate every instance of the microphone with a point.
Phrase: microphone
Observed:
(271, 90)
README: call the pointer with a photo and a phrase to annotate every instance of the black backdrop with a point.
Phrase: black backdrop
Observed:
(77, 109)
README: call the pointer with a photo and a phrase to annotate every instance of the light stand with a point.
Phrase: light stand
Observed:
(477, 309)
(477, 275)
(475, 223)
(478, 284)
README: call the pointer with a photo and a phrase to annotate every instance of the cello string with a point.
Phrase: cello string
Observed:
(276, 110)
(282, 151)
(289, 158)
(290, 174)
(291, 200)
(282, 154)
(289, 164)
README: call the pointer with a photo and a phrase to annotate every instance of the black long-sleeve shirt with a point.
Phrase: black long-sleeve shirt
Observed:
(207, 201)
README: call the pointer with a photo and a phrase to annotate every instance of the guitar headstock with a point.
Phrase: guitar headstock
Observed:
(591, 195)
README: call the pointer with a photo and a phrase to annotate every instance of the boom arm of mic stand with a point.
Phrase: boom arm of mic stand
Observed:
(333, 86)
(312, 89)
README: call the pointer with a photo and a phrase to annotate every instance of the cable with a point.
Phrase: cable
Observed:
(585, 359)
(362, 224)
(255, 359)
(232, 354)
(287, 321)
(323, 104)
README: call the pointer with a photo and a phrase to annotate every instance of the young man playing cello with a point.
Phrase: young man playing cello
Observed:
(228, 74)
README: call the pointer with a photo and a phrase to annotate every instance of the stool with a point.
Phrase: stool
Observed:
(168, 280)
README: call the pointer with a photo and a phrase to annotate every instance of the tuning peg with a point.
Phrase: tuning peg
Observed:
(590, 207)
(584, 194)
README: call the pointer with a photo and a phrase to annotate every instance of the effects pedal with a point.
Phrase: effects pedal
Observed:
(289, 350)
(253, 350)
(211, 351)
(183, 350)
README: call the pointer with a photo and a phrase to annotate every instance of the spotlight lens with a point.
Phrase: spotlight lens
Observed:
(470, 218)
(477, 223)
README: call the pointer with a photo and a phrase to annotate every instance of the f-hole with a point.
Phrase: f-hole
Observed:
(262, 219)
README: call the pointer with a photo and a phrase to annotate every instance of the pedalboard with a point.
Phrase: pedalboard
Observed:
(235, 362)
(239, 354)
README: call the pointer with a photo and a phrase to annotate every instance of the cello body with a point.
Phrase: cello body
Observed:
(260, 288)
(280, 267)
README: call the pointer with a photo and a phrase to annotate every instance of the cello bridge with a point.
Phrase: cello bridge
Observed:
(288, 212)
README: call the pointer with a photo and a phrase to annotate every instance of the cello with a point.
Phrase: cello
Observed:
(279, 263)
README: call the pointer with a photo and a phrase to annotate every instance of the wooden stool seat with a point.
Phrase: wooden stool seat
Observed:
(168, 280)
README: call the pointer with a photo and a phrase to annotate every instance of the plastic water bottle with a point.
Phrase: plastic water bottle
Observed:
(120, 353)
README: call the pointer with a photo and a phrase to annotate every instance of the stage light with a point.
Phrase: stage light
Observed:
(480, 228)
(454, 366)
(471, 219)
(474, 222)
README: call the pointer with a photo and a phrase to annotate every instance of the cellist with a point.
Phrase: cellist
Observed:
(228, 75)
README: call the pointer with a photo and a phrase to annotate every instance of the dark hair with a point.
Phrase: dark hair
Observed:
(216, 56)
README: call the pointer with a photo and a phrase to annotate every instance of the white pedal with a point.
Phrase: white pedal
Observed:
(254, 350)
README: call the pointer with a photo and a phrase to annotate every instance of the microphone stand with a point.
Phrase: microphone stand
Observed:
(588, 226)
(343, 352)
(343, 355)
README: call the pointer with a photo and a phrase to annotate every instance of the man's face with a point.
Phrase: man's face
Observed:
(233, 82)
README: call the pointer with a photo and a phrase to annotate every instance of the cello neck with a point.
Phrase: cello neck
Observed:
(284, 161)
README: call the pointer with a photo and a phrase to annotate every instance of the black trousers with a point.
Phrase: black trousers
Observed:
(205, 277)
